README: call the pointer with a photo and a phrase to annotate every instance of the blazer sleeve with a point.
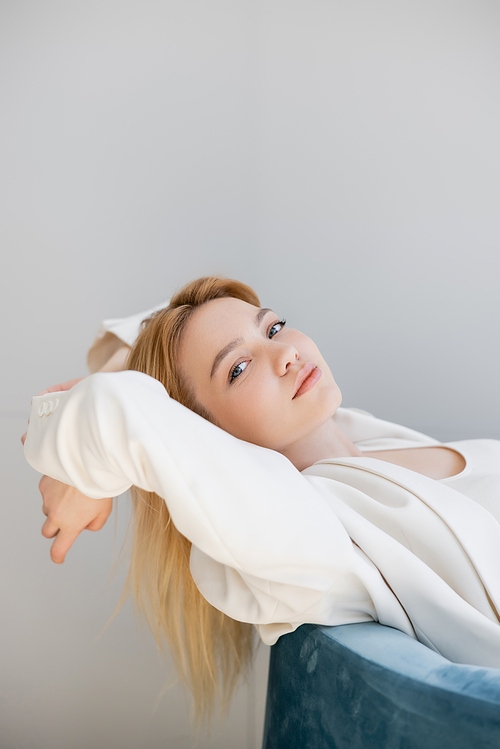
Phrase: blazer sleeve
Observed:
(243, 506)
(115, 333)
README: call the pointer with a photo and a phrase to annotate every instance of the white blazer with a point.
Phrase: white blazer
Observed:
(348, 540)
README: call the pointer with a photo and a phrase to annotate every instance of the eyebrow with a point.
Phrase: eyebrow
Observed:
(231, 346)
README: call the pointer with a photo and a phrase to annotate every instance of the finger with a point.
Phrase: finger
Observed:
(96, 524)
(23, 438)
(62, 544)
(50, 529)
(48, 488)
(41, 484)
(61, 386)
(53, 389)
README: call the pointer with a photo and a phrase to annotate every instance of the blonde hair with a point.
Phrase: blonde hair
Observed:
(210, 650)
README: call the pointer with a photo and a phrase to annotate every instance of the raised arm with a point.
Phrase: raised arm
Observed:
(114, 339)
(68, 511)
(241, 505)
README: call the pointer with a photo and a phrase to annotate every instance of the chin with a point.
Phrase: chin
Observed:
(334, 399)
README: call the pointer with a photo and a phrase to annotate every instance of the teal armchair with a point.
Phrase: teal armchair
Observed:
(367, 686)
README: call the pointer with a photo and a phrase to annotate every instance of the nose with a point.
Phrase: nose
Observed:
(285, 355)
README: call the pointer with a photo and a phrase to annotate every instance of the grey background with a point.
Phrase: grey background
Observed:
(341, 157)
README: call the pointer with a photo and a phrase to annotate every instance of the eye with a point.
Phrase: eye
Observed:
(276, 328)
(239, 368)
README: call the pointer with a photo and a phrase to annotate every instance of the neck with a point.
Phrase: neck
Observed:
(327, 441)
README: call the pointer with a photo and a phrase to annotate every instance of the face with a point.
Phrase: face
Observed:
(261, 381)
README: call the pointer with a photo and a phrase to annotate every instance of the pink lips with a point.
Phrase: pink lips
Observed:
(306, 379)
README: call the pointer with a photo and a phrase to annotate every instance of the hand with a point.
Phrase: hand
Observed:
(69, 512)
(62, 386)
(56, 389)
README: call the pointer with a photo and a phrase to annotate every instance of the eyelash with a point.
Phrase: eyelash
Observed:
(232, 376)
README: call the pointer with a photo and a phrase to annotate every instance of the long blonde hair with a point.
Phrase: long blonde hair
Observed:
(210, 650)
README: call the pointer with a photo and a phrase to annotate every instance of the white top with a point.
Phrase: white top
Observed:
(349, 539)
(480, 478)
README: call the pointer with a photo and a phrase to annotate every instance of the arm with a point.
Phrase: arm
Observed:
(243, 506)
(112, 336)
(69, 511)
(117, 361)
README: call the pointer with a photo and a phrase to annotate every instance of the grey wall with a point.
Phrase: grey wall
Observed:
(343, 158)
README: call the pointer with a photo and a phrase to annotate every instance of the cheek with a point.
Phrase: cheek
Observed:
(251, 413)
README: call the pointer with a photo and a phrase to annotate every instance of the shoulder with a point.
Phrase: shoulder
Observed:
(365, 429)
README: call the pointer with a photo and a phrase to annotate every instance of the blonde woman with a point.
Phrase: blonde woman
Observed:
(258, 500)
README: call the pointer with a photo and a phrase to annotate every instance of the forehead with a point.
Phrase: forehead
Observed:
(211, 327)
(221, 316)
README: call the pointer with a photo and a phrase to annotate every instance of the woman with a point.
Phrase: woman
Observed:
(279, 507)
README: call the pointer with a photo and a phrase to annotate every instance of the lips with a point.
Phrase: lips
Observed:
(306, 379)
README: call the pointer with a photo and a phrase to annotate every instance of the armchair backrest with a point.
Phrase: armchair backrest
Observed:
(367, 686)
